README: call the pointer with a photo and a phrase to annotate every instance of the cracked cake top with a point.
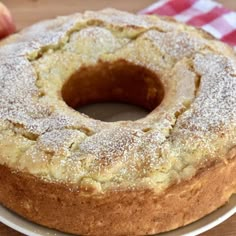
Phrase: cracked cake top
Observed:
(187, 75)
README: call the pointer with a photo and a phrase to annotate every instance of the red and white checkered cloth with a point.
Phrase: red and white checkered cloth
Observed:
(207, 14)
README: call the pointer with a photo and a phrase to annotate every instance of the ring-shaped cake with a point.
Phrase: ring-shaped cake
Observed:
(67, 171)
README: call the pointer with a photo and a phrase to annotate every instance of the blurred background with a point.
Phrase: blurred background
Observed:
(26, 12)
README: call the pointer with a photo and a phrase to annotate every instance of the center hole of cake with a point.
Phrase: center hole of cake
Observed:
(113, 91)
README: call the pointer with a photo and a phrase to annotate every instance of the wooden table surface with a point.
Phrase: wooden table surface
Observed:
(26, 12)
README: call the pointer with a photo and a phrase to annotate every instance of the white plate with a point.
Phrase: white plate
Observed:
(20, 224)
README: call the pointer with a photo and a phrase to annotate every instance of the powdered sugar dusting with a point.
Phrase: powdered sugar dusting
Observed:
(17, 88)
(60, 140)
(110, 144)
(19, 49)
(176, 44)
(214, 107)
(71, 146)
(50, 32)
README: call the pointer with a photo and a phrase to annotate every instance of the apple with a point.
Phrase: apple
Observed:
(7, 25)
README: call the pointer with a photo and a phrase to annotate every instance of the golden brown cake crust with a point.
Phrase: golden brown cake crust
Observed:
(177, 70)
(120, 177)
(127, 212)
